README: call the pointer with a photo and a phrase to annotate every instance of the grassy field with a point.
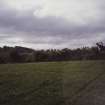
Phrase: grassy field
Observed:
(56, 83)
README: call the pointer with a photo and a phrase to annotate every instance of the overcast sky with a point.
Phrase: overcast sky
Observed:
(43, 24)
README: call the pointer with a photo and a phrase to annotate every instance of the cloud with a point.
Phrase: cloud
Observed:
(47, 23)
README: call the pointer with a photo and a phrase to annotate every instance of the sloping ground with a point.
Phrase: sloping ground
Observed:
(85, 85)
(94, 94)
(57, 83)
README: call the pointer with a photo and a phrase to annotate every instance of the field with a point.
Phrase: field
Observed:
(55, 83)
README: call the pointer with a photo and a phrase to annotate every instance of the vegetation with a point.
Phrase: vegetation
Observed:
(22, 54)
(56, 83)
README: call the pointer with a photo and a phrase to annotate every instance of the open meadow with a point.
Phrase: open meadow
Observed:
(53, 83)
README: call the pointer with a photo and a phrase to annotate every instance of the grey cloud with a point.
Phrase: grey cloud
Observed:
(29, 27)
(27, 22)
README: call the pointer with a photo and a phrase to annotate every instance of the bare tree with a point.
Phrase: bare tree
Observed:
(101, 46)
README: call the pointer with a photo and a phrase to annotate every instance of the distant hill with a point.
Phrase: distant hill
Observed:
(20, 54)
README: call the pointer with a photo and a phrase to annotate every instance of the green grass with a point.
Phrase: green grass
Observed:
(56, 83)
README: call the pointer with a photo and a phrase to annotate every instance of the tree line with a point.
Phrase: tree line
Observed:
(20, 54)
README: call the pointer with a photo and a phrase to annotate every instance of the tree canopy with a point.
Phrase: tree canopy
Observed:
(20, 54)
